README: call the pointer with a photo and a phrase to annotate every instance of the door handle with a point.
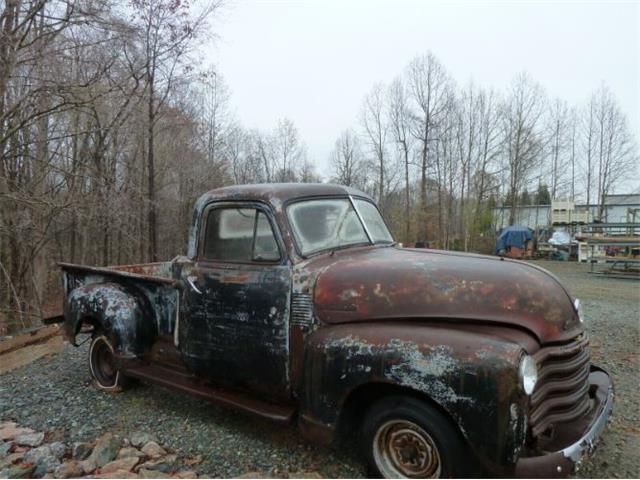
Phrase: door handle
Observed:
(191, 281)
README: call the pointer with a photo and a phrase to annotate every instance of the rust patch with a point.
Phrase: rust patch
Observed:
(392, 283)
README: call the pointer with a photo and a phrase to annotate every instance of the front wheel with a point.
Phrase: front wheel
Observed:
(102, 365)
(403, 437)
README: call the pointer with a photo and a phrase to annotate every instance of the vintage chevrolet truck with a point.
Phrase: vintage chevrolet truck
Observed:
(294, 303)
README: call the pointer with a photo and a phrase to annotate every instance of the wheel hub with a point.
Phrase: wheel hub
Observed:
(404, 449)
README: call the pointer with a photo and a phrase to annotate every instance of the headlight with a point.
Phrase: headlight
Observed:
(528, 372)
(576, 305)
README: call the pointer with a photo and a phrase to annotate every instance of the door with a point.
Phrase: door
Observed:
(234, 327)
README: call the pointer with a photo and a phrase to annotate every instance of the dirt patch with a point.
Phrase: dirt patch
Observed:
(23, 348)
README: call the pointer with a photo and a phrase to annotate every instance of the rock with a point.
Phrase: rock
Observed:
(165, 464)
(153, 450)
(195, 460)
(81, 451)
(44, 458)
(18, 471)
(69, 469)
(9, 431)
(186, 474)
(58, 449)
(129, 452)
(88, 465)
(105, 450)
(37, 453)
(144, 473)
(122, 464)
(305, 475)
(34, 439)
(4, 448)
(117, 474)
(15, 457)
(45, 465)
(139, 439)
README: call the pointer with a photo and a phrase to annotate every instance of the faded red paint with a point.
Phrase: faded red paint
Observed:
(392, 283)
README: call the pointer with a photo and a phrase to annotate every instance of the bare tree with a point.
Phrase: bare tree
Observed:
(216, 118)
(242, 162)
(521, 122)
(400, 125)
(167, 32)
(308, 173)
(430, 88)
(346, 160)
(617, 152)
(559, 146)
(375, 128)
(288, 150)
(590, 144)
(573, 143)
(489, 148)
(264, 150)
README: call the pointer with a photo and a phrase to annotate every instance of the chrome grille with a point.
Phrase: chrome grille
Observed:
(562, 391)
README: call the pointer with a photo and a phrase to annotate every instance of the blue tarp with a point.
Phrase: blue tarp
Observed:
(513, 236)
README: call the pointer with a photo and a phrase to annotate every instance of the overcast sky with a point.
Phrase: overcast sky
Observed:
(313, 61)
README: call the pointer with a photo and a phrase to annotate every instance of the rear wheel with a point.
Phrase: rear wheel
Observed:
(103, 366)
(404, 437)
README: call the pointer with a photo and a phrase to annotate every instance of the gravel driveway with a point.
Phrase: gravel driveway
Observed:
(55, 394)
(612, 313)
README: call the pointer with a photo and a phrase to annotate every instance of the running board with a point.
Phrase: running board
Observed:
(171, 378)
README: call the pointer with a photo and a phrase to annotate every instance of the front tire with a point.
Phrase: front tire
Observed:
(404, 437)
(104, 372)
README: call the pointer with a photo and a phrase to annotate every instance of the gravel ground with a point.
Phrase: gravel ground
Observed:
(55, 394)
(611, 308)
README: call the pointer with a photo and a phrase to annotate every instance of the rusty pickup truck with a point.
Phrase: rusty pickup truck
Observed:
(294, 303)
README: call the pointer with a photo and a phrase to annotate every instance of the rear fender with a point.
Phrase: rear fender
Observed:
(121, 313)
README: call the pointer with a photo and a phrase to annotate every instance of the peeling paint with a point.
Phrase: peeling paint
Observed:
(426, 371)
(311, 331)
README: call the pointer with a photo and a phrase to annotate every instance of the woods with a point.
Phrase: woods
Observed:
(112, 124)
(440, 155)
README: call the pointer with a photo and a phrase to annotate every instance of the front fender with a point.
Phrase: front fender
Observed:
(471, 376)
(120, 312)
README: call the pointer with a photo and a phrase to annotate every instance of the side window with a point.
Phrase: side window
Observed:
(239, 235)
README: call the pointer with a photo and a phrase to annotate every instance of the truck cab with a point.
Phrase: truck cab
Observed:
(293, 302)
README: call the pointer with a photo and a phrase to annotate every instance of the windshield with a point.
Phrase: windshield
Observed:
(333, 222)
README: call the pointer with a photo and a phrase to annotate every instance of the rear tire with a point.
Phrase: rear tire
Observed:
(104, 372)
(403, 437)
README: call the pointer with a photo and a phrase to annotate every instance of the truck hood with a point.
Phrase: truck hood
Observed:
(393, 283)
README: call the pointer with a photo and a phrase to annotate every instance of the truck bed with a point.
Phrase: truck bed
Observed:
(155, 281)
(159, 272)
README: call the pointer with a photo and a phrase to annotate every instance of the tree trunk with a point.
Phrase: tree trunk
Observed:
(423, 182)
(407, 196)
(151, 189)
